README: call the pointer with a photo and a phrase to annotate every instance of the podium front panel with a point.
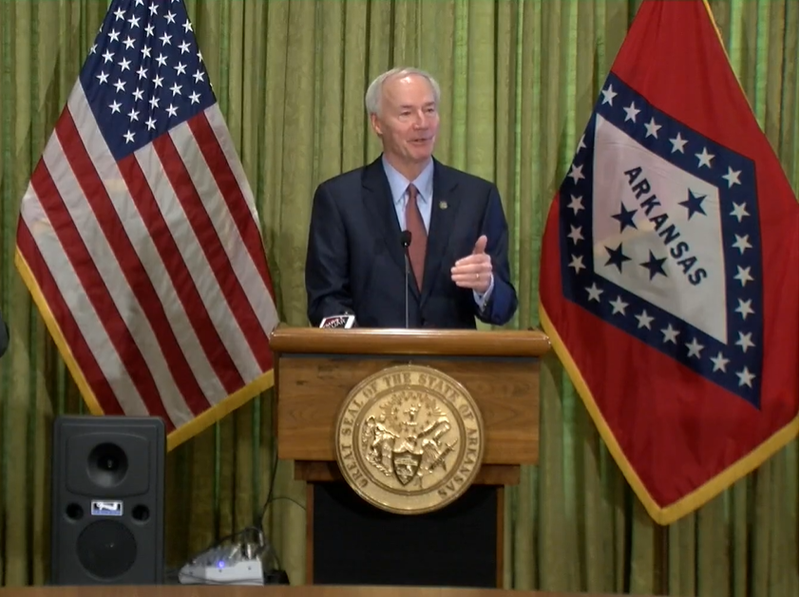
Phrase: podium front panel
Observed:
(354, 543)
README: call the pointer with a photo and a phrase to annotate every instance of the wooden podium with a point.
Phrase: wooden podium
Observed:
(351, 542)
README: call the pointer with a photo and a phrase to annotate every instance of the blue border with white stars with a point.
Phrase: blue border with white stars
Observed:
(735, 366)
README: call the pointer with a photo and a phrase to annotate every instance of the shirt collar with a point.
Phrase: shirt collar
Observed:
(399, 184)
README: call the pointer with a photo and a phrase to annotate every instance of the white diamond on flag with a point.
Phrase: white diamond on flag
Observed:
(657, 231)
(659, 225)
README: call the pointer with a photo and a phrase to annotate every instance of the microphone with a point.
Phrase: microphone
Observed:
(405, 240)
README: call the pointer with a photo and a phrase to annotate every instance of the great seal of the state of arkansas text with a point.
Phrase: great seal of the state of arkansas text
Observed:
(409, 439)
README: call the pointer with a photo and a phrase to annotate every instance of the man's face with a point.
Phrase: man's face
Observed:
(409, 119)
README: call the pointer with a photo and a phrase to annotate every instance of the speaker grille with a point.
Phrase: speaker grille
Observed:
(106, 549)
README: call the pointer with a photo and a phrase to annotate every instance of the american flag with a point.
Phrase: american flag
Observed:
(138, 235)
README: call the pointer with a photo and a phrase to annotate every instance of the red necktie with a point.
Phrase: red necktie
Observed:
(419, 237)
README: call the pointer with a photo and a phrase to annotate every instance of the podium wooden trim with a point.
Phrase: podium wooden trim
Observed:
(315, 369)
(416, 342)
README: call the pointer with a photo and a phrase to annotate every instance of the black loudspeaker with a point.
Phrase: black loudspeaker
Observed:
(108, 500)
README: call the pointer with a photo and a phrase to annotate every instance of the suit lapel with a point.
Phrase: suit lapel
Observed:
(443, 214)
(377, 196)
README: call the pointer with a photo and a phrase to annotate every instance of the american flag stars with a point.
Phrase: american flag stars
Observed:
(145, 74)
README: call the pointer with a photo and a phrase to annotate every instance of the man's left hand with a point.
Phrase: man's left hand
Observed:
(474, 271)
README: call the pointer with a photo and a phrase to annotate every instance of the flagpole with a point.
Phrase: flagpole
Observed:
(662, 543)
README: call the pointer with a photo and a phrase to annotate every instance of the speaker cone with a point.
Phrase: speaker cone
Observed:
(106, 549)
(108, 465)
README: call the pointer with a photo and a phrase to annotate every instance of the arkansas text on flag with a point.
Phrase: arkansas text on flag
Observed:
(669, 276)
(138, 235)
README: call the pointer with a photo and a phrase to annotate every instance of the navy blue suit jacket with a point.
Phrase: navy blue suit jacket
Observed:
(356, 262)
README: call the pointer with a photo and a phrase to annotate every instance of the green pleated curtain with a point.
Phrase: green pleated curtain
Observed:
(519, 79)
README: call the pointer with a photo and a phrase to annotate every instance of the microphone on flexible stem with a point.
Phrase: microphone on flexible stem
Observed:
(405, 240)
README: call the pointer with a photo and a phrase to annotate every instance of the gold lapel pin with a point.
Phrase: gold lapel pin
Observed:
(442, 204)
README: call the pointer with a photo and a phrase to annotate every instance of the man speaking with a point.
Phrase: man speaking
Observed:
(407, 241)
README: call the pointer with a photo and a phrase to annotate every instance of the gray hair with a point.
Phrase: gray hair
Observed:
(372, 99)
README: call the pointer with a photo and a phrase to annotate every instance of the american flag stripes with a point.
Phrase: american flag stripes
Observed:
(138, 235)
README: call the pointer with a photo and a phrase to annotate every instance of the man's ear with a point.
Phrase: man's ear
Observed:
(376, 124)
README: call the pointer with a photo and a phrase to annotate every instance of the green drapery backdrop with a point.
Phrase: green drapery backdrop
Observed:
(519, 79)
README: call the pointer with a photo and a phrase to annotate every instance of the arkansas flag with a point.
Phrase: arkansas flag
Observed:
(138, 236)
(669, 274)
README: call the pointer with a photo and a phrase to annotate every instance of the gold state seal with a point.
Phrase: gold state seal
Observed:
(409, 439)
